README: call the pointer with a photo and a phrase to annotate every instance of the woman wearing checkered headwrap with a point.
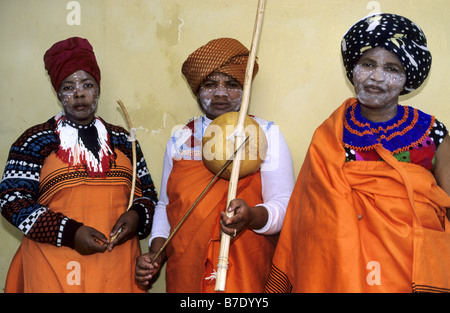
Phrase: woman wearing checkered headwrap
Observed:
(375, 182)
(215, 73)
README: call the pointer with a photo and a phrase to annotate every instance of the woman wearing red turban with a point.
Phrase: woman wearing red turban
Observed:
(66, 186)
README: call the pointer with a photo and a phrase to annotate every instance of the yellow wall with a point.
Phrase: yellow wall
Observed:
(141, 45)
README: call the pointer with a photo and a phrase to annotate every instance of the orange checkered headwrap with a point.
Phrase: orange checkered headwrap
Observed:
(224, 55)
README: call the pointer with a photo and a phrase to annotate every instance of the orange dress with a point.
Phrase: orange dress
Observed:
(96, 202)
(351, 226)
(193, 253)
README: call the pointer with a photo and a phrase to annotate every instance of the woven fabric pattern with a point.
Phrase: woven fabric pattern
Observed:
(224, 55)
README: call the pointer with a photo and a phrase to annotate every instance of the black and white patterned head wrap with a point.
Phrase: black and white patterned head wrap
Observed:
(396, 34)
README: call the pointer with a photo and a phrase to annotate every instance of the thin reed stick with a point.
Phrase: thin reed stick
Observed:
(222, 266)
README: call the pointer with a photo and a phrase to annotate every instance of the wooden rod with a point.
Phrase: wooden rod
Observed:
(222, 265)
(183, 219)
(133, 149)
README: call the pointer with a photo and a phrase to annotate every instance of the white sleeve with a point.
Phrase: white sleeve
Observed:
(278, 179)
(161, 226)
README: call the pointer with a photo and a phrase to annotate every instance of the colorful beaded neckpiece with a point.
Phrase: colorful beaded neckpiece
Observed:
(407, 129)
(85, 146)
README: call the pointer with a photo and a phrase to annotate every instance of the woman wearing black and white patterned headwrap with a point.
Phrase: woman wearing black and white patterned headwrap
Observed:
(359, 226)
(396, 34)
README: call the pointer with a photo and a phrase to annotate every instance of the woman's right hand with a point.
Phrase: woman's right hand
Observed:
(145, 270)
(88, 240)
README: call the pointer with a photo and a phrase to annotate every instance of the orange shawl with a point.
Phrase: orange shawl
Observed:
(349, 226)
(96, 202)
(193, 252)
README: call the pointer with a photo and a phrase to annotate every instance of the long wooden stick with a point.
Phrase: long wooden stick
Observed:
(222, 266)
(183, 219)
(133, 149)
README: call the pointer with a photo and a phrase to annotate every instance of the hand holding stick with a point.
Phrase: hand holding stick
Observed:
(222, 266)
(183, 219)
(132, 138)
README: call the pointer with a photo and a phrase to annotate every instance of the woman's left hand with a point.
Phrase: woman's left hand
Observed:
(127, 226)
(244, 217)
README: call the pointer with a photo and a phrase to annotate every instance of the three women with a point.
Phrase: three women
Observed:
(374, 186)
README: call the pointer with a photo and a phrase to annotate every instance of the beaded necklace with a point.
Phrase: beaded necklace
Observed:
(406, 130)
(85, 146)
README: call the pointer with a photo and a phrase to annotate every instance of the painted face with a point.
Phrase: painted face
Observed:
(219, 94)
(79, 94)
(379, 78)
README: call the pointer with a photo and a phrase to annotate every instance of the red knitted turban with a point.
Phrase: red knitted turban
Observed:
(224, 55)
(68, 56)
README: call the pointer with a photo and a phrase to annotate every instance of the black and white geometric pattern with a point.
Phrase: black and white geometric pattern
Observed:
(141, 170)
(28, 223)
(36, 136)
(60, 232)
(33, 175)
(20, 187)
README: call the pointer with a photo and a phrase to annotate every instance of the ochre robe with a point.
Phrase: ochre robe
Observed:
(350, 227)
(193, 252)
(96, 202)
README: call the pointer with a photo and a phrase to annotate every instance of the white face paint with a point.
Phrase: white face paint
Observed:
(79, 93)
(379, 78)
(219, 94)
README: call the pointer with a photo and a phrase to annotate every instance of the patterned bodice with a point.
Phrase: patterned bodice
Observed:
(412, 136)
